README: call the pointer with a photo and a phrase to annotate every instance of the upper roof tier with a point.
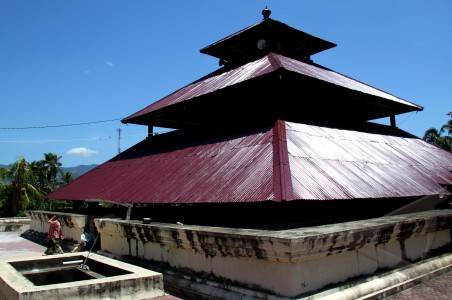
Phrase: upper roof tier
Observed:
(267, 36)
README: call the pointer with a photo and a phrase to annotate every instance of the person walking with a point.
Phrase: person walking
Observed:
(55, 235)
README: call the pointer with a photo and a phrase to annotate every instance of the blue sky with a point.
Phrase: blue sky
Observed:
(80, 61)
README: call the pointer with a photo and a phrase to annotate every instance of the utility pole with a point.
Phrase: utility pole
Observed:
(119, 140)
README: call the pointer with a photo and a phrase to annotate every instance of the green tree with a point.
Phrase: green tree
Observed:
(20, 192)
(440, 137)
(40, 175)
(24, 185)
(3, 175)
(3, 195)
(447, 128)
(66, 177)
(52, 166)
(432, 136)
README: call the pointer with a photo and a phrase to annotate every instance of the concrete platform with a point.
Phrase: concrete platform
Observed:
(437, 288)
(12, 245)
(50, 277)
(387, 284)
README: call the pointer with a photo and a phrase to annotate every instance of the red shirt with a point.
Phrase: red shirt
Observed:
(55, 230)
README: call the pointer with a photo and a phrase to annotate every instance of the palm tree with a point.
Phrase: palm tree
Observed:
(40, 175)
(432, 136)
(66, 177)
(52, 165)
(447, 128)
(437, 137)
(21, 191)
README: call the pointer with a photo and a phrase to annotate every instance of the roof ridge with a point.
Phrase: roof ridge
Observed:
(274, 60)
(371, 86)
(282, 179)
(277, 56)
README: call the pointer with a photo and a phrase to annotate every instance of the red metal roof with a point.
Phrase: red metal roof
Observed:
(327, 163)
(286, 162)
(267, 64)
(182, 168)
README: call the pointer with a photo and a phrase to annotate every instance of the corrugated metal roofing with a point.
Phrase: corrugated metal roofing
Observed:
(182, 168)
(260, 67)
(287, 162)
(328, 163)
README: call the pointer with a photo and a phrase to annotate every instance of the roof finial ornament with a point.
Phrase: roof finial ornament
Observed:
(266, 13)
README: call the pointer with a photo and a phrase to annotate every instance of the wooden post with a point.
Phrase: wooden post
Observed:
(129, 211)
(150, 130)
(393, 121)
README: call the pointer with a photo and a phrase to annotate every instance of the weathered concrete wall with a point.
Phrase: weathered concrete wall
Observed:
(14, 224)
(72, 225)
(288, 262)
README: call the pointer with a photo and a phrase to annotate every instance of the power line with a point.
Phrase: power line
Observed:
(59, 125)
(45, 141)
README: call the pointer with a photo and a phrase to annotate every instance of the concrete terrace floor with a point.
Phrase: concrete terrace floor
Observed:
(12, 245)
(438, 288)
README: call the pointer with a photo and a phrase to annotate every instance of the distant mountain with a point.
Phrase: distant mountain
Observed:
(78, 170)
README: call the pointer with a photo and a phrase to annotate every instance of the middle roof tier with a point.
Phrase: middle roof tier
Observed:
(270, 88)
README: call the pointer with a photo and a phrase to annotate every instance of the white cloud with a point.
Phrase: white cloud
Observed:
(110, 64)
(81, 151)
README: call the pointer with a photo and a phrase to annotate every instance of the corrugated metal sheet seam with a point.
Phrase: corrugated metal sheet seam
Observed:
(281, 168)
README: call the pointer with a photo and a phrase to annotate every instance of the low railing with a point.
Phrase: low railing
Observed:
(18, 224)
(72, 225)
(286, 262)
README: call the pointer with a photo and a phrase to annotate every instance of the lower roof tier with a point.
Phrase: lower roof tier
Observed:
(281, 162)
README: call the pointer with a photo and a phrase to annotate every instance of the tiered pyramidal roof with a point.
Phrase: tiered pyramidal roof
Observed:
(268, 67)
(270, 124)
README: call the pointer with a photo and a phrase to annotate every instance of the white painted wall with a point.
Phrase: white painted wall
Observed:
(14, 224)
(72, 225)
(286, 263)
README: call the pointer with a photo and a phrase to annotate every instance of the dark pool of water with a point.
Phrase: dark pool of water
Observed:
(58, 276)
(56, 270)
